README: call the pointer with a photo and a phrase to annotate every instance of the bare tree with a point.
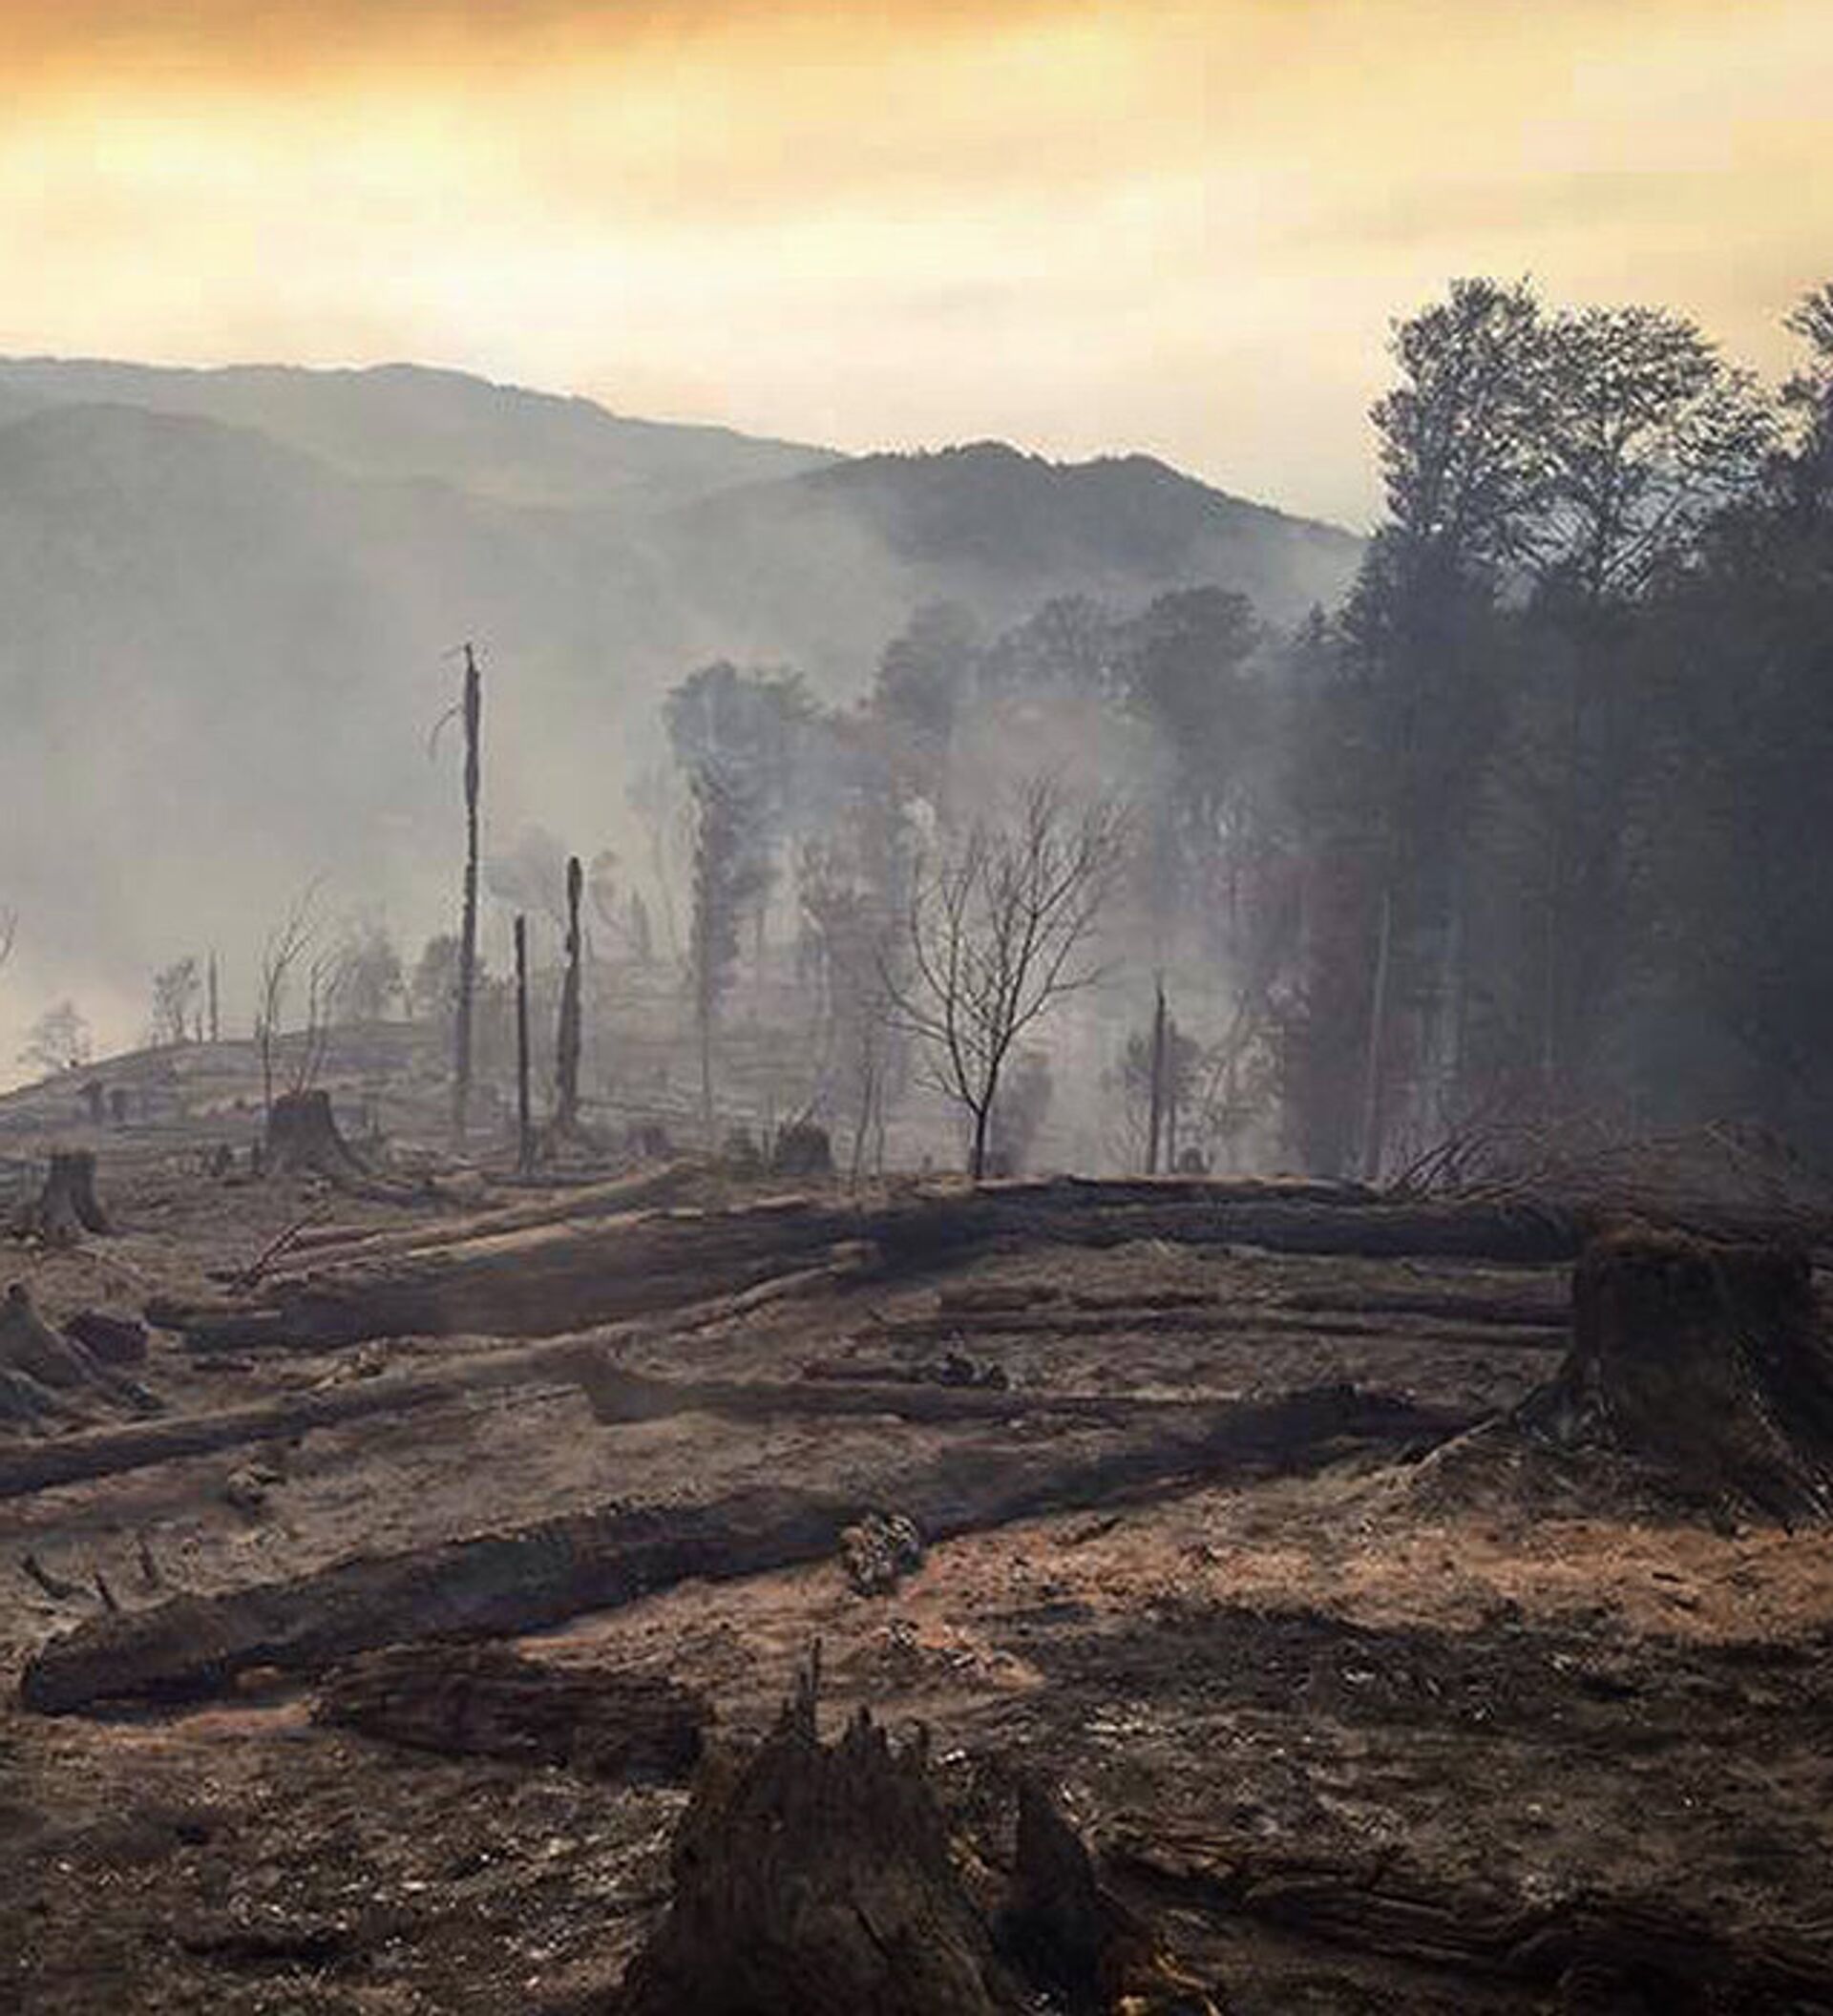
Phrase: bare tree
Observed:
(58, 1041)
(176, 989)
(287, 943)
(999, 929)
(326, 984)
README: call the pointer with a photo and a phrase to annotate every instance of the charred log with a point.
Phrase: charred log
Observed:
(557, 1276)
(110, 1341)
(539, 1575)
(487, 1701)
(45, 1376)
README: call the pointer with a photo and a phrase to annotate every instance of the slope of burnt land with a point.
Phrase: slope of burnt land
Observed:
(1357, 1725)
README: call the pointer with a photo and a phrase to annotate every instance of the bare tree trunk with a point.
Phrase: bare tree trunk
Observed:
(1372, 1086)
(1155, 1118)
(566, 1096)
(982, 1122)
(524, 1132)
(474, 706)
(704, 1018)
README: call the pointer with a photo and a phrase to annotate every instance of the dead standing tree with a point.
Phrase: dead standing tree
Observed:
(524, 1132)
(998, 933)
(470, 709)
(566, 1056)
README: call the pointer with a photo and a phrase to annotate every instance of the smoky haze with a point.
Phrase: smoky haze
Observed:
(1498, 823)
(232, 596)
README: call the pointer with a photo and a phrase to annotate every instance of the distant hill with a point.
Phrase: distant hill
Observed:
(1001, 532)
(405, 422)
(229, 598)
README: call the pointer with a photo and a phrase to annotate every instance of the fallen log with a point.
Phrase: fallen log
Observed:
(335, 1245)
(620, 1397)
(1675, 1959)
(106, 1452)
(550, 1278)
(488, 1701)
(36, 1360)
(534, 1576)
(1216, 1319)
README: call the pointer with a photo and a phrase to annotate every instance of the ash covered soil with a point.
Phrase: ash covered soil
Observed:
(1396, 1729)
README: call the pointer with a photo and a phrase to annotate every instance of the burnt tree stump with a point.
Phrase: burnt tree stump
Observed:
(67, 1206)
(1705, 1360)
(304, 1138)
(816, 1880)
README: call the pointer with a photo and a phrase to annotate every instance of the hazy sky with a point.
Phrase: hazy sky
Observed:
(1151, 225)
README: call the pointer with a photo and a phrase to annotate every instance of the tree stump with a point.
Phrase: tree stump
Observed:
(1707, 1361)
(814, 1880)
(303, 1139)
(67, 1206)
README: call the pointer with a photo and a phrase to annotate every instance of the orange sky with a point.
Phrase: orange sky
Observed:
(1154, 224)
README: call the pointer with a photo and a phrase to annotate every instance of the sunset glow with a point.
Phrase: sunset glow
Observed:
(1177, 227)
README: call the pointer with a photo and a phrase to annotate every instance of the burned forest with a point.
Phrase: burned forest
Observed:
(798, 1231)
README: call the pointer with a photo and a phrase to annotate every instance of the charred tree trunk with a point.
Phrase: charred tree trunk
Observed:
(472, 707)
(566, 1054)
(1155, 1114)
(1374, 1063)
(524, 1125)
